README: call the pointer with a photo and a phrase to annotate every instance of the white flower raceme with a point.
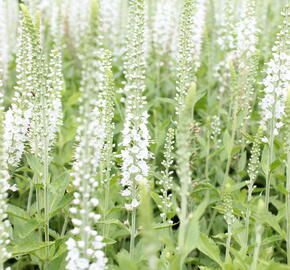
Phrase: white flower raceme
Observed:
(166, 180)
(198, 26)
(47, 110)
(247, 31)
(165, 27)
(4, 41)
(94, 138)
(17, 118)
(277, 81)
(185, 66)
(245, 55)
(4, 185)
(77, 14)
(135, 153)
(86, 253)
(113, 24)
(226, 41)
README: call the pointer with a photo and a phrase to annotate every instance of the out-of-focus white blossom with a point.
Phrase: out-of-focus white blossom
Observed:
(113, 18)
(165, 28)
(277, 81)
(4, 43)
(93, 135)
(86, 253)
(198, 31)
(76, 16)
(4, 185)
(135, 153)
(166, 180)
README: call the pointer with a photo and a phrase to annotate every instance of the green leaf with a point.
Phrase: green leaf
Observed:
(22, 228)
(109, 241)
(34, 163)
(124, 261)
(207, 246)
(17, 212)
(242, 161)
(28, 247)
(275, 165)
(56, 191)
(66, 200)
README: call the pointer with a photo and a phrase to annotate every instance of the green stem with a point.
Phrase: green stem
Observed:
(288, 207)
(30, 197)
(212, 218)
(133, 233)
(269, 162)
(106, 207)
(207, 155)
(259, 229)
(248, 214)
(183, 219)
(228, 244)
(63, 230)
(231, 144)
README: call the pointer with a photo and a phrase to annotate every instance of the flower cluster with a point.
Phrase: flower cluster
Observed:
(94, 137)
(18, 117)
(35, 113)
(4, 186)
(135, 153)
(166, 181)
(4, 177)
(226, 41)
(4, 50)
(113, 24)
(185, 71)
(47, 110)
(197, 31)
(165, 28)
(77, 18)
(228, 208)
(245, 55)
(254, 162)
(277, 81)
(215, 127)
(86, 253)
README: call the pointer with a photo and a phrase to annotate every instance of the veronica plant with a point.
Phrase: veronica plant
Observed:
(91, 169)
(276, 84)
(4, 185)
(135, 153)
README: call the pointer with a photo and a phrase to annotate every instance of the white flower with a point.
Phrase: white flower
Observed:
(135, 139)
(276, 82)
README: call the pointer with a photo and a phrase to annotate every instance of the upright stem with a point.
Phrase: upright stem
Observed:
(46, 201)
(63, 230)
(228, 244)
(183, 215)
(269, 162)
(106, 206)
(259, 229)
(133, 233)
(30, 197)
(232, 141)
(207, 155)
(248, 214)
(288, 207)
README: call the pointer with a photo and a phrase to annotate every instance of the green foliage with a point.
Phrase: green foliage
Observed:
(217, 218)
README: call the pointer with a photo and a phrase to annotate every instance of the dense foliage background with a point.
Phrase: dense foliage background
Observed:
(145, 134)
